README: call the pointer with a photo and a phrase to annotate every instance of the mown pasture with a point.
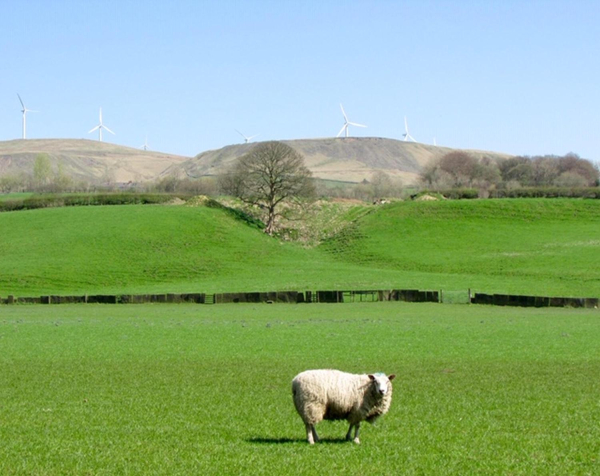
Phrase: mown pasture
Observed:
(192, 389)
(523, 246)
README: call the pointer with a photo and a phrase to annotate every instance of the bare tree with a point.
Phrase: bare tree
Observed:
(42, 170)
(460, 169)
(271, 173)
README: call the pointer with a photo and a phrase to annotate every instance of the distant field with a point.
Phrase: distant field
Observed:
(188, 389)
(537, 247)
(15, 196)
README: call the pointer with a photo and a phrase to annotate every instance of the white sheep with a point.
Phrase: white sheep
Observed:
(335, 395)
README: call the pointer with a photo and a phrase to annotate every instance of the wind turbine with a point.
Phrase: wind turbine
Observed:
(145, 146)
(406, 134)
(100, 127)
(347, 123)
(246, 139)
(24, 111)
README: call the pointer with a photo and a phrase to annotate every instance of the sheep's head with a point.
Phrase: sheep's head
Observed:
(382, 382)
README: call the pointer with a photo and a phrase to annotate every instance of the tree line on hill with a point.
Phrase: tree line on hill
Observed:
(459, 169)
(453, 171)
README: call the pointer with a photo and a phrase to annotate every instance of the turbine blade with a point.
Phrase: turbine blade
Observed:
(95, 128)
(355, 124)
(240, 133)
(343, 112)
(104, 127)
(342, 129)
(21, 101)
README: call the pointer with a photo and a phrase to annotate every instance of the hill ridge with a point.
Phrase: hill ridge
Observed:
(351, 159)
(85, 159)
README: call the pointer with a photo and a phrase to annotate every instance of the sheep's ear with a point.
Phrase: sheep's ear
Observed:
(392, 377)
(372, 377)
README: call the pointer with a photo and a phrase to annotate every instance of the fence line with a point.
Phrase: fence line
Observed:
(404, 295)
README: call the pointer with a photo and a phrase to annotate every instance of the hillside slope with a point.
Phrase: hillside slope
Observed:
(146, 248)
(87, 160)
(345, 159)
(515, 246)
(543, 247)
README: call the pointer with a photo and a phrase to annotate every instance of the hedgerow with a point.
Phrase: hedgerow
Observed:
(47, 201)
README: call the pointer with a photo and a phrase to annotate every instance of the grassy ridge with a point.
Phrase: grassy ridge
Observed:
(543, 247)
(185, 389)
(135, 249)
(548, 246)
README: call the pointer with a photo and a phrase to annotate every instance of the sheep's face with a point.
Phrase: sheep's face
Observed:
(382, 383)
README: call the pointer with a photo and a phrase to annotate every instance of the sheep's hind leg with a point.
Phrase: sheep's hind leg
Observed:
(356, 427)
(349, 434)
(356, 440)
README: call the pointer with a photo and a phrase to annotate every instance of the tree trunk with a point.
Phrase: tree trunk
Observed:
(270, 222)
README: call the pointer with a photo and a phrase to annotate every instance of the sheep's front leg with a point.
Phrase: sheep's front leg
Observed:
(356, 427)
(314, 432)
(311, 434)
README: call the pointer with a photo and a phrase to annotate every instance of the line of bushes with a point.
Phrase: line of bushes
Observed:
(128, 198)
(524, 192)
(547, 192)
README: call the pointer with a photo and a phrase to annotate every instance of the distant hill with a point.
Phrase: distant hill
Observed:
(86, 160)
(344, 159)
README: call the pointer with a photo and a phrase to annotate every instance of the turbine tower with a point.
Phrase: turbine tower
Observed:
(100, 127)
(347, 123)
(406, 134)
(246, 139)
(24, 111)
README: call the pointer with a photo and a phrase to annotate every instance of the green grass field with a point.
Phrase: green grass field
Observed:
(15, 196)
(188, 389)
(544, 247)
(534, 247)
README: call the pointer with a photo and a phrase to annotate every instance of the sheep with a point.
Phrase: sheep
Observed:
(335, 395)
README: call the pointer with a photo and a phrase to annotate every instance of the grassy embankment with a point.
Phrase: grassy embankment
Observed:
(541, 247)
(15, 196)
(186, 389)
(521, 246)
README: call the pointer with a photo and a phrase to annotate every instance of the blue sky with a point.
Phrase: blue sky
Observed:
(521, 77)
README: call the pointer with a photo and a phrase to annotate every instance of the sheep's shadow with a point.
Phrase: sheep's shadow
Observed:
(285, 441)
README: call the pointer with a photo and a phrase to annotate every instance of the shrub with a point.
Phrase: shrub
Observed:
(125, 198)
(547, 192)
